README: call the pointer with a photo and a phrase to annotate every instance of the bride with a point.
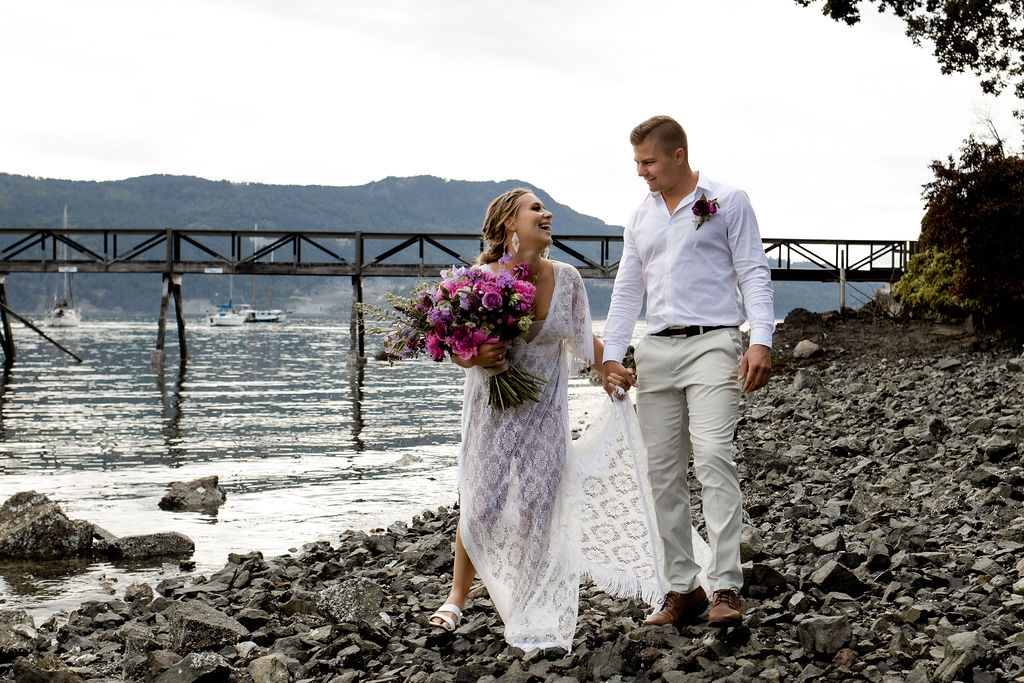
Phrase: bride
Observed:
(539, 511)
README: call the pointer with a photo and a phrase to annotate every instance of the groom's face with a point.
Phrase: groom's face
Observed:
(660, 169)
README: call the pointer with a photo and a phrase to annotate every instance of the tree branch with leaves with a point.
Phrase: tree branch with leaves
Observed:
(986, 38)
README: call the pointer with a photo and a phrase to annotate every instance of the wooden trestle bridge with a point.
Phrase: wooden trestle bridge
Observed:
(358, 255)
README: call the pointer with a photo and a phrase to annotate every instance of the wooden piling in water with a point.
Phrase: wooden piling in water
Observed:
(6, 340)
(179, 313)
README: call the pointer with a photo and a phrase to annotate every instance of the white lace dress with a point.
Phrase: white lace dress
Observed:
(537, 510)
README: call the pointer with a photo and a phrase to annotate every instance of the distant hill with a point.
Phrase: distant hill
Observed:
(417, 204)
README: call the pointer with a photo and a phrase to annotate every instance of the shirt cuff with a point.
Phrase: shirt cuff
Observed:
(613, 352)
(761, 336)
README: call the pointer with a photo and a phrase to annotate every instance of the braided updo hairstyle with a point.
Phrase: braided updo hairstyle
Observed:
(501, 210)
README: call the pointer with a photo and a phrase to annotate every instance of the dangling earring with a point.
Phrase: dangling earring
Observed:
(515, 242)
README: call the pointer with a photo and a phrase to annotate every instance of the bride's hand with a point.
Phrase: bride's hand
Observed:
(490, 355)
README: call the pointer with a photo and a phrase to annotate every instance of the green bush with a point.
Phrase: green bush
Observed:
(931, 281)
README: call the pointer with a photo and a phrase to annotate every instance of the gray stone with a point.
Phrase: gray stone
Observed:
(195, 667)
(353, 600)
(960, 652)
(830, 542)
(34, 527)
(824, 635)
(432, 554)
(17, 634)
(835, 577)
(751, 543)
(197, 626)
(271, 668)
(806, 349)
(200, 495)
(847, 445)
(24, 671)
(166, 544)
(805, 379)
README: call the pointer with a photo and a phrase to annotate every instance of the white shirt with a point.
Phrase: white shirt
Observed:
(692, 276)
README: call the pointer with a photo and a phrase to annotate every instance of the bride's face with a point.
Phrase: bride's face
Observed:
(532, 222)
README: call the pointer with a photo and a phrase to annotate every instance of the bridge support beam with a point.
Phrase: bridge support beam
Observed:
(6, 340)
(357, 341)
(171, 287)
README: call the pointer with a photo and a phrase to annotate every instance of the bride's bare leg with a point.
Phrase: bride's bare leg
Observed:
(462, 578)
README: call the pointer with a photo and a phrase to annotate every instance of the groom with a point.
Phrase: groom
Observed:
(692, 247)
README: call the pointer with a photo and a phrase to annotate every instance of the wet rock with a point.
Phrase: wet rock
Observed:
(351, 601)
(824, 635)
(24, 671)
(200, 495)
(198, 626)
(167, 544)
(34, 527)
(432, 554)
(17, 634)
(197, 667)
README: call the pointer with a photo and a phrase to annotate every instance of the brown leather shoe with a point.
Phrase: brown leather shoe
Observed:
(725, 609)
(678, 606)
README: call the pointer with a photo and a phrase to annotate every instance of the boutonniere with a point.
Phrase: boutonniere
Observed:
(704, 209)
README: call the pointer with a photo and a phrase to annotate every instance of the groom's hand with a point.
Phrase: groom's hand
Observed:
(756, 367)
(617, 377)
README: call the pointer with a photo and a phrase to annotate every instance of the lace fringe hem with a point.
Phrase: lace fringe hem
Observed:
(622, 585)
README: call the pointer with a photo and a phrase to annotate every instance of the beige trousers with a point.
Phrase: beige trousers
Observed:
(687, 400)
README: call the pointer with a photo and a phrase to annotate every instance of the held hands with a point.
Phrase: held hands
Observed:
(617, 379)
(756, 367)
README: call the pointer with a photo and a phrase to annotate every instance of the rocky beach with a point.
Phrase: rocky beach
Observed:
(883, 486)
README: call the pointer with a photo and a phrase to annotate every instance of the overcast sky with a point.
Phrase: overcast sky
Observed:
(829, 128)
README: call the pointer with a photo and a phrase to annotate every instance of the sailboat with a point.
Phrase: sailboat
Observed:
(262, 315)
(63, 312)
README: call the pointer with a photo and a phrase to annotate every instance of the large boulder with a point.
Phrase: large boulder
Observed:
(351, 601)
(17, 634)
(196, 626)
(34, 527)
(200, 495)
(166, 544)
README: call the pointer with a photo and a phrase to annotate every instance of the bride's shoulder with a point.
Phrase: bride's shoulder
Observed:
(567, 269)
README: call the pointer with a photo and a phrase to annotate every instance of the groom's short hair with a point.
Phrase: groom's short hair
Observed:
(666, 132)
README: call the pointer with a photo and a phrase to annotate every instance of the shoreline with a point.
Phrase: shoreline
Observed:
(883, 542)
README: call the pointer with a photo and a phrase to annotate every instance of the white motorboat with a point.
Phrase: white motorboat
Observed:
(266, 315)
(226, 316)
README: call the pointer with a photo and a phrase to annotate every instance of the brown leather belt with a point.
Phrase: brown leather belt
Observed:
(690, 331)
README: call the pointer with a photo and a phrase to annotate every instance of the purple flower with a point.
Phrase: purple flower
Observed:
(506, 258)
(704, 209)
(491, 300)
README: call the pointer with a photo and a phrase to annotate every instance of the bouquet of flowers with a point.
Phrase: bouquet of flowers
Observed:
(467, 308)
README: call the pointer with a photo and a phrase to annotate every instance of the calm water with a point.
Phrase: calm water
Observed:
(305, 445)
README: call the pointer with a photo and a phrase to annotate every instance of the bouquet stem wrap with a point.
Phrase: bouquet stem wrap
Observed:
(510, 386)
(469, 307)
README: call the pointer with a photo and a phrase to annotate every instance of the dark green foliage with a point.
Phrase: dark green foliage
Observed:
(986, 38)
(976, 215)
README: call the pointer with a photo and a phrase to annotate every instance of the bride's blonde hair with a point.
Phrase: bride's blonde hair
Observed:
(501, 210)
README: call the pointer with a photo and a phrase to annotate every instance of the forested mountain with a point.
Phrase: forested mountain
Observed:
(419, 204)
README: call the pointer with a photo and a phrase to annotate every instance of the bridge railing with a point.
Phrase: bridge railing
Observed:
(368, 254)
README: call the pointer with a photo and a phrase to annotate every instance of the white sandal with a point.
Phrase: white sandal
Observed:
(449, 624)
